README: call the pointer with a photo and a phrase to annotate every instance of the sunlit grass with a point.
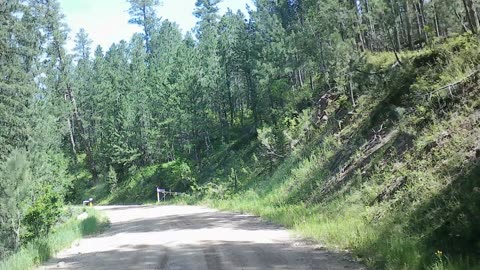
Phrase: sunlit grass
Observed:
(42, 249)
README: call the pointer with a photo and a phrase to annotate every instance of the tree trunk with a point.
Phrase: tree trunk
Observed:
(253, 97)
(437, 23)
(460, 19)
(423, 19)
(471, 15)
(408, 25)
(403, 27)
(419, 22)
(16, 224)
(84, 140)
(70, 97)
(311, 84)
(359, 23)
(395, 27)
(71, 130)
(371, 28)
(350, 84)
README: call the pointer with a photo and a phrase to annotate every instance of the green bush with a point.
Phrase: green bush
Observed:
(42, 215)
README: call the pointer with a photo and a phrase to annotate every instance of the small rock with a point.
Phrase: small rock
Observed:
(60, 264)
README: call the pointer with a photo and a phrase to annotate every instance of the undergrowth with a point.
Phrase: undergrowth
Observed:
(42, 249)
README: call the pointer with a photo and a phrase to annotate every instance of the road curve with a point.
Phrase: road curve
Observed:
(192, 237)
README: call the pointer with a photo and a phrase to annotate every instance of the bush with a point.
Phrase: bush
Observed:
(43, 248)
(43, 215)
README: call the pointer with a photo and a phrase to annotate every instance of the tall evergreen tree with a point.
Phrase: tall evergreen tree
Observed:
(143, 14)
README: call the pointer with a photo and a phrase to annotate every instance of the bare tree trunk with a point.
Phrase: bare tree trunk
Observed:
(72, 139)
(300, 77)
(423, 19)
(350, 84)
(419, 22)
(359, 23)
(403, 27)
(16, 223)
(371, 28)
(84, 140)
(408, 24)
(460, 19)
(395, 27)
(70, 97)
(437, 23)
(311, 83)
(467, 13)
(472, 14)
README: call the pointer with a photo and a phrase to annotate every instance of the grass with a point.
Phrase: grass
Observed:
(42, 249)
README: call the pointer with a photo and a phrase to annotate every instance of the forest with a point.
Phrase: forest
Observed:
(346, 108)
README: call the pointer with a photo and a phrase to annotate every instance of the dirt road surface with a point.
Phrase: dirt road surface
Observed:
(192, 237)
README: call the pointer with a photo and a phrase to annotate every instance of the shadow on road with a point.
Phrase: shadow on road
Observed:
(186, 237)
(212, 256)
(192, 221)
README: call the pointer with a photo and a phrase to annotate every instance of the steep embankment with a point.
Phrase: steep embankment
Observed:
(396, 179)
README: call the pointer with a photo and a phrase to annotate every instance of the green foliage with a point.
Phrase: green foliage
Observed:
(112, 179)
(176, 175)
(43, 248)
(297, 129)
(15, 190)
(139, 186)
(42, 215)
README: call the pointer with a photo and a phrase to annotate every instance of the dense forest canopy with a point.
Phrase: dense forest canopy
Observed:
(166, 96)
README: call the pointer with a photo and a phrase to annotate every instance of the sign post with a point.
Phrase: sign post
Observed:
(160, 190)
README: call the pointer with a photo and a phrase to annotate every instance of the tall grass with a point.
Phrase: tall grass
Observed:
(43, 248)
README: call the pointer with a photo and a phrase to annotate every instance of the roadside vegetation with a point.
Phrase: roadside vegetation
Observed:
(61, 236)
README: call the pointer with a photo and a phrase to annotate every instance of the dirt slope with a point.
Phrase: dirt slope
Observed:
(188, 237)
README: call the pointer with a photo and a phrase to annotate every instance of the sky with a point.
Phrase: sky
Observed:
(106, 21)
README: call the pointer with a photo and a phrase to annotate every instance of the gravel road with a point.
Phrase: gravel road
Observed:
(192, 237)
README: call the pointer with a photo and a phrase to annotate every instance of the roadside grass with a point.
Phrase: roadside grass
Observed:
(383, 245)
(42, 249)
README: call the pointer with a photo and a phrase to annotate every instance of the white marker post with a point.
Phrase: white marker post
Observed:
(160, 190)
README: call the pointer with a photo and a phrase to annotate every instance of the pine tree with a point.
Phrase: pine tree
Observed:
(143, 14)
